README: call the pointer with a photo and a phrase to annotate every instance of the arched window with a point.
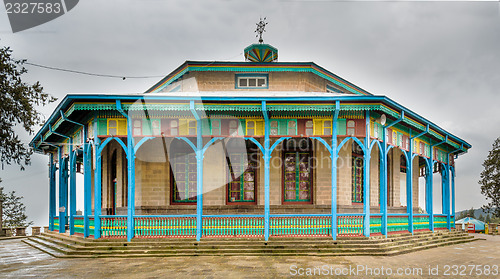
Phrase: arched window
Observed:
(402, 164)
(183, 172)
(297, 170)
(357, 173)
(242, 162)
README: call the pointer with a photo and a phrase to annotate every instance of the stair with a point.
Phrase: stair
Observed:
(65, 246)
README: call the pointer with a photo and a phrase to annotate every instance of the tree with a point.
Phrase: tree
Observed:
(18, 101)
(14, 211)
(488, 219)
(490, 180)
(461, 215)
(471, 213)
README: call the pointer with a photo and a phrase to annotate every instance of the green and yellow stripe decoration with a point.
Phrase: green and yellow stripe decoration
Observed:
(261, 53)
(145, 227)
(397, 223)
(300, 226)
(350, 225)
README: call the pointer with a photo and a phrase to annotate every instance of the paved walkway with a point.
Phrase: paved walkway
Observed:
(18, 260)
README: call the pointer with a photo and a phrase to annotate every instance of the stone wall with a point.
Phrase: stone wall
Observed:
(225, 81)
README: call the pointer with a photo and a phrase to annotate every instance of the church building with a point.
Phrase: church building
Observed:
(257, 148)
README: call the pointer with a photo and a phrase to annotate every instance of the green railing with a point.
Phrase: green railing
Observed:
(420, 222)
(164, 226)
(397, 223)
(440, 221)
(78, 223)
(350, 225)
(375, 224)
(56, 223)
(113, 227)
(91, 226)
(300, 226)
(233, 226)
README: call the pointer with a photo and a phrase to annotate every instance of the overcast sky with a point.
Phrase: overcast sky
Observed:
(439, 59)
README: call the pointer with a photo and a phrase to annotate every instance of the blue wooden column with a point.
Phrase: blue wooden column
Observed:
(52, 191)
(130, 173)
(409, 187)
(72, 178)
(131, 181)
(409, 178)
(87, 184)
(334, 157)
(63, 191)
(427, 174)
(452, 178)
(446, 194)
(267, 159)
(366, 177)
(383, 184)
(97, 188)
(430, 192)
(431, 163)
(199, 174)
(72, 190)
(385, 151)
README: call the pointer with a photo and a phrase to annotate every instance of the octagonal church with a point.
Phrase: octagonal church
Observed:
(258, 148)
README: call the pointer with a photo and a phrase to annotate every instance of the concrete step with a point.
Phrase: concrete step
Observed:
(267, 250)
(48, 248)
(71, 246)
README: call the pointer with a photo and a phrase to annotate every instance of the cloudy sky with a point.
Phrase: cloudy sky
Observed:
(439, 59)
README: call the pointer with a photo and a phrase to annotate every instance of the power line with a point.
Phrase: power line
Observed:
(104, 75)
(87, 73)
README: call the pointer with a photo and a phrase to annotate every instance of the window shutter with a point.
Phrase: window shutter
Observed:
(360, 129)
(183, 127)
(282, 127)
(156, 127)
(372, 128)
(102, 127)
(165, 126)
(259, 128)
(146, 127)
(121, 127)
(341, 127)
(214, 129)
(291, 128)
(380, 131)
(242, 127)
(318, 127)
(205, 127)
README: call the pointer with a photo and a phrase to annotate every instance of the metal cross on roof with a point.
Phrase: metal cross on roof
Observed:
(260, 29)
